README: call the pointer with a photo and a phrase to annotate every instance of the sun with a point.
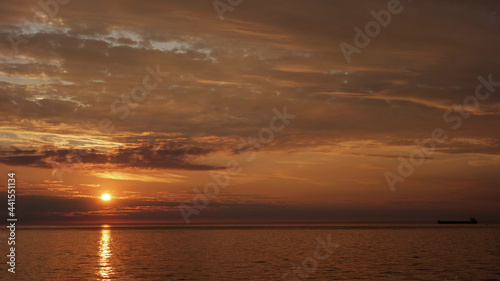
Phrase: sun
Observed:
(106, 197)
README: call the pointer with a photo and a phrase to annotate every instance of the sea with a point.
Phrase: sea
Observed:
(255, 252)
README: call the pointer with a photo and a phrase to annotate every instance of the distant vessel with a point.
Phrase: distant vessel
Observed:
(472, 220)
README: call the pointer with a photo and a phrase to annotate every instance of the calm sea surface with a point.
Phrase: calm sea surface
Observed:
(361, 252)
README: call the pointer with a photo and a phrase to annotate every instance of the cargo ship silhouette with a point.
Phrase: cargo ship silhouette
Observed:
(471, 221)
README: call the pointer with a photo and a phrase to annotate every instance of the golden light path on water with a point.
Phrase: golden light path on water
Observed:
(105, 268)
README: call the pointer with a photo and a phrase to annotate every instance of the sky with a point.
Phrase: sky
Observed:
(250, 111)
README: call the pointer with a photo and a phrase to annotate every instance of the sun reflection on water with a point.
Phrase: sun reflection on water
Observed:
(105, 268)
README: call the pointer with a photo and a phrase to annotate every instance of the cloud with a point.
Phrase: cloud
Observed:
(227, 77)
(51, 209)
(144, 176)
(146, 156)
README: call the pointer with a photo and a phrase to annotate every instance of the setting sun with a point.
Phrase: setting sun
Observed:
(106, 197)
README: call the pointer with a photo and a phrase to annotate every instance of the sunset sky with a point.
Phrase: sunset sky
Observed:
(72, 131)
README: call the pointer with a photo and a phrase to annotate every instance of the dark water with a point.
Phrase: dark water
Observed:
(360, 252)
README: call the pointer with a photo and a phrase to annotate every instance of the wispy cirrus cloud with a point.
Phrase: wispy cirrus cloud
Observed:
(144, 176)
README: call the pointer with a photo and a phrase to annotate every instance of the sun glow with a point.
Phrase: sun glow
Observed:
(106, 197)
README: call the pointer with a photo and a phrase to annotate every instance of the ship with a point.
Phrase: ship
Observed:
(471, 221)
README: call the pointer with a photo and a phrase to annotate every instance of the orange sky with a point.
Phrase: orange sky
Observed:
(76, 122)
